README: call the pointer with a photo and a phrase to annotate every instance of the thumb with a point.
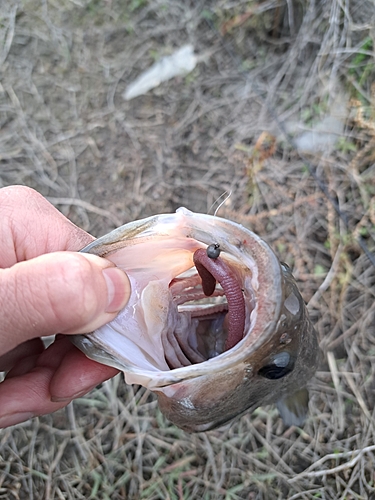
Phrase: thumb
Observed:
(62, 292)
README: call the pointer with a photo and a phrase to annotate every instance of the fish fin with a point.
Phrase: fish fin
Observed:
(293, 408)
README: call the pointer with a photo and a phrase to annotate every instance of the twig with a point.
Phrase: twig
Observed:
(328, 279)
(333, 456)
(9, 35)
(87, 206)
(336, 382)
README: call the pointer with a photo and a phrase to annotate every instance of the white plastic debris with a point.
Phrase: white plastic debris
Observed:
(325, 134)
(179, 63)
(323, 137)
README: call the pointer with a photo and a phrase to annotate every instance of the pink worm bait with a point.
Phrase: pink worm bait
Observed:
(212, 270)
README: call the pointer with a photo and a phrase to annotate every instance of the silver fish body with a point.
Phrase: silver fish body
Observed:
(172, 337)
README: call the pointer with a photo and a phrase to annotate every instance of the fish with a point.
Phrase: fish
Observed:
(215, 324)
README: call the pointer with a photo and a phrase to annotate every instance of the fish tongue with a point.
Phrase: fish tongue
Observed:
(293, 408)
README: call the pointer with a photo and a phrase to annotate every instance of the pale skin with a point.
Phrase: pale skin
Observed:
(47, 288)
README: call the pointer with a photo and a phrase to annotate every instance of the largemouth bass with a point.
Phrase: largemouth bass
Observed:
(215, 324)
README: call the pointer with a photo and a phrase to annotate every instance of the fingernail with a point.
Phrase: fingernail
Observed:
(15, 418)
(118, 286)
(66, 399)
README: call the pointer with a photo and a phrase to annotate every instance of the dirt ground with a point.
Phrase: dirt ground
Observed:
(264, 69)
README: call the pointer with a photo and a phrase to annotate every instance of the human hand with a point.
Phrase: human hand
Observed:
(47, 288)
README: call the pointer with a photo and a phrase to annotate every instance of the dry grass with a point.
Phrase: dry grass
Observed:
(66, 131)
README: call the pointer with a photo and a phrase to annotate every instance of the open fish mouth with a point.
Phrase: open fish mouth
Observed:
(215, 324)
(206, 334)
(211, 311)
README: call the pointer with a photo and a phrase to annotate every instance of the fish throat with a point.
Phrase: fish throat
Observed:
(214, 311)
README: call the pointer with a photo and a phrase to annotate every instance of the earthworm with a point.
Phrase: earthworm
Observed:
(212, 270)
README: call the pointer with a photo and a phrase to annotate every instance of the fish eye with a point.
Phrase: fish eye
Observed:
(281, 364)
(213, 251)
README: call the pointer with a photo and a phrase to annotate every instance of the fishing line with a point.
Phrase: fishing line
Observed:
(228, 193)
(310, 167)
